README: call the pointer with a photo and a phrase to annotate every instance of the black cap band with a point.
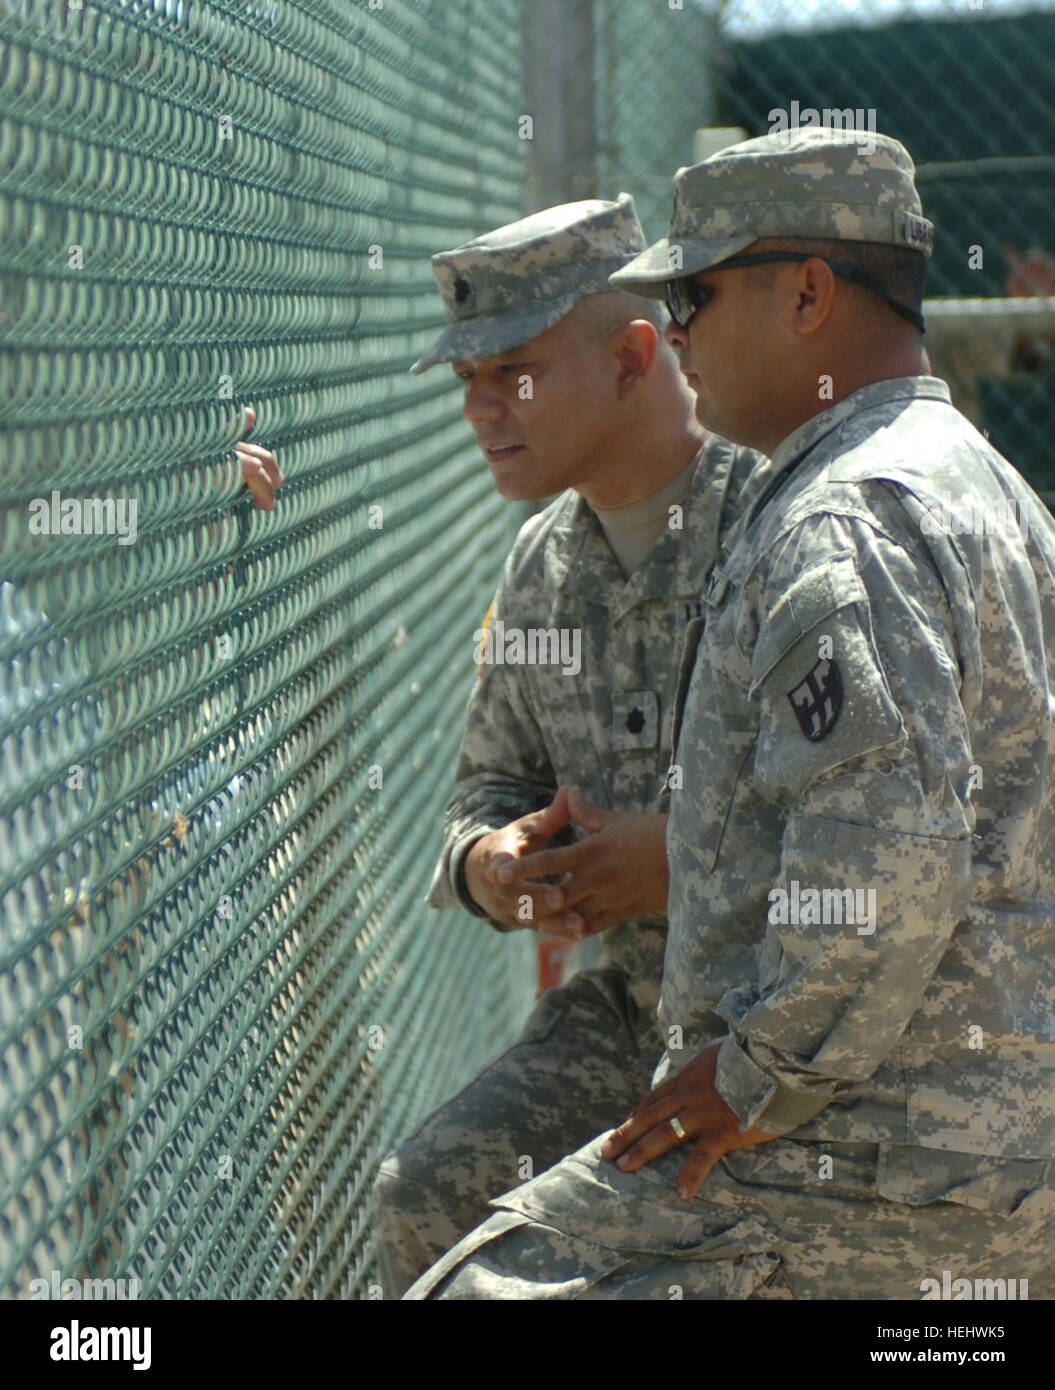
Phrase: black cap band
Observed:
(844, 268)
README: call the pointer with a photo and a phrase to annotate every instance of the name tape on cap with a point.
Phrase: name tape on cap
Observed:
(913, 231)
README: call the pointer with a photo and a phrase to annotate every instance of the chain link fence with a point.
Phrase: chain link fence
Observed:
(226, 735)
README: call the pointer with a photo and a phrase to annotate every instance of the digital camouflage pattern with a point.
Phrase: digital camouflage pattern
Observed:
(529, 729)
(934, 788)
(509, 285)
(606, 729)
(765, 1225)
(799, 183)
(919, 1056)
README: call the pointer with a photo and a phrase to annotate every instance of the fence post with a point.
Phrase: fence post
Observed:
(559, 52)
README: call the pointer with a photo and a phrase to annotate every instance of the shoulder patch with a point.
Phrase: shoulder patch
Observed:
(817, 700)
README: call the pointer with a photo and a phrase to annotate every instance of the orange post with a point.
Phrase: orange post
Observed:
(552, 961)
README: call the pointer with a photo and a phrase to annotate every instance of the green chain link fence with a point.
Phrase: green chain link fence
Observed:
(225, 747)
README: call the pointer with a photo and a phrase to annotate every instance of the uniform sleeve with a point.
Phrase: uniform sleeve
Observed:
(503, 773)
(863, 743)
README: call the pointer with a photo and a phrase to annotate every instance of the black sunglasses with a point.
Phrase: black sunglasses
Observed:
(686, 297)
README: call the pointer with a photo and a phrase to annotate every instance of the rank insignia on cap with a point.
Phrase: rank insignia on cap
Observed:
(462, 289)
(817, 700)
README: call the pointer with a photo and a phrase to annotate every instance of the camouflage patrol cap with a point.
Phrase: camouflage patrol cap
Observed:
(515, 282)
(794, 183)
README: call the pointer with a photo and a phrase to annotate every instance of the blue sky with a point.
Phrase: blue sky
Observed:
(747, 18)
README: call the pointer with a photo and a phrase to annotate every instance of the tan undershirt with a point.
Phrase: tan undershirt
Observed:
(632, 531)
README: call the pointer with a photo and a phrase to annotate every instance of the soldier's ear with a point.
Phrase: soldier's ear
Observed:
(815, 289)
(635, 346)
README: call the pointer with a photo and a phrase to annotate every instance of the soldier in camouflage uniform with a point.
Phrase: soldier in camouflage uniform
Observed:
(858, 996)
(627, 575)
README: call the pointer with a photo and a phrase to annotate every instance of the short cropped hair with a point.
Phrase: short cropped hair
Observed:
(900, 270)
(599, 315)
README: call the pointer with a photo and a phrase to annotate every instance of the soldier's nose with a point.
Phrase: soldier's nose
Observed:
(675, 336)
(480, 405)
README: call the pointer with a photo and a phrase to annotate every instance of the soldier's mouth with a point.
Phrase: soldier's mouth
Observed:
(502, 451)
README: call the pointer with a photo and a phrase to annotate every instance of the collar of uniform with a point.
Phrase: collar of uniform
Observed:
(705, 506)
(591, 571)
(790, 451)
(671, 570)
(801, 440)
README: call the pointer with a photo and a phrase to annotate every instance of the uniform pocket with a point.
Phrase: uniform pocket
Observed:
(514, 1258)
(822, 590)
(476, 1241)
(1001, 1186)
(716, 716)
(634, 1233)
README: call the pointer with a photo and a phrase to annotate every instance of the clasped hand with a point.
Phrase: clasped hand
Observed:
(617, 871)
